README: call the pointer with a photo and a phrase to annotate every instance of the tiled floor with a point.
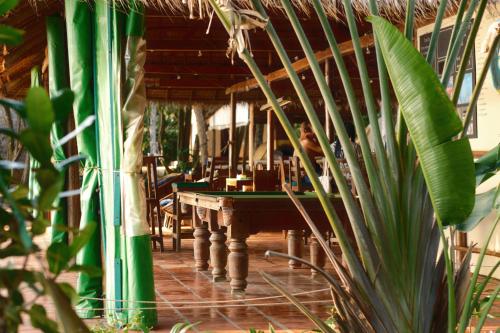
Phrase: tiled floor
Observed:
(177, 281)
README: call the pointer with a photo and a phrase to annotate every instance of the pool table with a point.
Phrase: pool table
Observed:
(240, 214)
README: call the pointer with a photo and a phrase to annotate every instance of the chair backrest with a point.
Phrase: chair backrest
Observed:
(164, 185)
(283, 171)
(208, 170)
(295, 174)
(265, 180)
(151, 175)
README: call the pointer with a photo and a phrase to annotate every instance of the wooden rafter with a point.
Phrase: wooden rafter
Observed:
(300, 65)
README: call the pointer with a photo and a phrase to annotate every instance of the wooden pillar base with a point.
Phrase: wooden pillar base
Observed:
(201, 247)
(218, 255)
(238, 265)
(295, 247)
(317, 255)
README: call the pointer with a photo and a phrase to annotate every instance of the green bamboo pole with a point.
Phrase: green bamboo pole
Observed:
(471, 40)
(79, 30)
(58, 80)
(139, 284)
(361, 233)
(107, 37)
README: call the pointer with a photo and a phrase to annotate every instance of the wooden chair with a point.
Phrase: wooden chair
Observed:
(295, 175)
(265, 180)
(152, 200)
(283, 171)
(175, 215)
(207, 172)
(156, 190)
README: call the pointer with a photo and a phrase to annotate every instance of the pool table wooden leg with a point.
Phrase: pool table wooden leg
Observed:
(218, 255)
(317, 254)
(201, 246)
(238, 264)
(295, 247)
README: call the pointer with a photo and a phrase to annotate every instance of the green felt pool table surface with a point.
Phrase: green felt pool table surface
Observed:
(261, 195)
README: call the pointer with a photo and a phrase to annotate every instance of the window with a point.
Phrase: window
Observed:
(469, 77)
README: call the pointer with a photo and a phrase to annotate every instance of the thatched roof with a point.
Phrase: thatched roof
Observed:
(392, 9)
(185, 65)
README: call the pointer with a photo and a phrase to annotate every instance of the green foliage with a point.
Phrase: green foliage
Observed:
(167, 131)
(135, 324)
(183, 327)
(443, 160)
(168, 135)
(22, 218)
(271, 330)
(23, 221)
(420, 180)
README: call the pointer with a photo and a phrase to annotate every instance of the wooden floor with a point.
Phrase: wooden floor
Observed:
(177, 281)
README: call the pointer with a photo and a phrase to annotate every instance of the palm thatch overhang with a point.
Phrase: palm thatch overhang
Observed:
(188, 66)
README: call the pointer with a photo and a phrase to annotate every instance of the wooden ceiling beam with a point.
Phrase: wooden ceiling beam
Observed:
(165, 69)
(300, 65)
(187, 83)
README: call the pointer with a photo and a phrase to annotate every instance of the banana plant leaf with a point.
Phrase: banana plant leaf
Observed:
(485, 203)
(447, 164)
(488, 165)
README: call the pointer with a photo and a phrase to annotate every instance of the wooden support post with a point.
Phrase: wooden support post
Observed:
(317, 254)
(295, 247)
(461, 242)
(270, 139)
(251, 135)
(232, 138)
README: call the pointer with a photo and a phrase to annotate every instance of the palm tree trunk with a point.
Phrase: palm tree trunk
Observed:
(202, 133)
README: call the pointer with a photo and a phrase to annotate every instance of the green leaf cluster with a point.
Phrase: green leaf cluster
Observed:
(23, 218)
(419, 180)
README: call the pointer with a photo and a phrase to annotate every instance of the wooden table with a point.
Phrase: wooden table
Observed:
(240, 214)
